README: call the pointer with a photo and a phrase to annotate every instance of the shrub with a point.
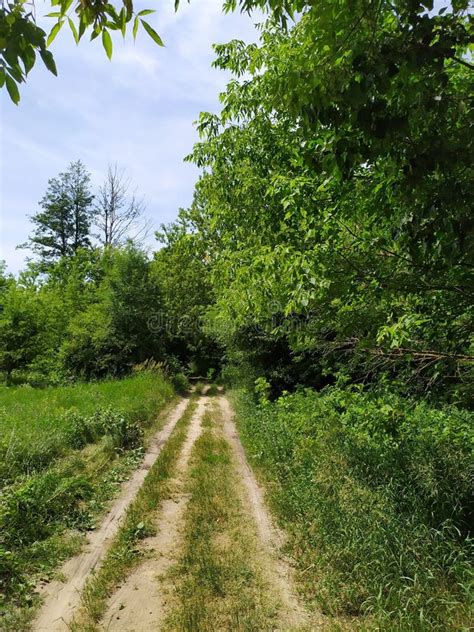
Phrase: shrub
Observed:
(180, 383)
(212, 390)
(29, 510)
(126, 434)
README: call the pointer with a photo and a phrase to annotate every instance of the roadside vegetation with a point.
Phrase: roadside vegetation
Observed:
(60, 469)
(375, 492)
(324, 268)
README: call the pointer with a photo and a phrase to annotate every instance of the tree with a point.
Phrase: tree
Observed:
(117, 213)
(112, 333)
(63, 226)
(21, 328)
(183, 271)
(337, 191)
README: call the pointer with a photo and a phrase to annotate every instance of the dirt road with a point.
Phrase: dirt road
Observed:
(147, 598)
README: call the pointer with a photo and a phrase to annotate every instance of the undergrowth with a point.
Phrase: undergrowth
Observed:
(376, 495)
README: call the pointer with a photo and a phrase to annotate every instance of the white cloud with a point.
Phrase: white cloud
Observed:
(137, 111)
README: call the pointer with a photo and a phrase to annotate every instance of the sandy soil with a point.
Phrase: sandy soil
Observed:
(140, 604)
(61, 598)
(276, 568)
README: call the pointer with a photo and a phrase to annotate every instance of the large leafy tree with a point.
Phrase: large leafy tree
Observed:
(182, 268)
(112, 331)
(338, 189)
(63, 224)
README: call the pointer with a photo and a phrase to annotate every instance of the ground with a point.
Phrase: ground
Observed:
(213, 559)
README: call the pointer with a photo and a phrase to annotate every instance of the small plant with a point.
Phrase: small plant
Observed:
(213, 390)
(126, 434)
(262, 390)
(199, 388)
(180, 383)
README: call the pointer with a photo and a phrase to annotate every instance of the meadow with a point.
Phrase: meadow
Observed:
(38, 426)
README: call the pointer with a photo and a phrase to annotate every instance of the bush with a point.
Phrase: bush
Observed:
(29, 510)
(126, 434)
(212, 390)
(180, 383)
(376, 493)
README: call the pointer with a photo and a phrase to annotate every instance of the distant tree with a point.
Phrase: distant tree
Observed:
(20, 328)
(112, 333)
(119, 213)
(63, 224)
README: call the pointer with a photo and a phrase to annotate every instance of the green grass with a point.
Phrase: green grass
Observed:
(36, 424)
(218, 583)
(138, 523)
(374, 492)
(61, 470)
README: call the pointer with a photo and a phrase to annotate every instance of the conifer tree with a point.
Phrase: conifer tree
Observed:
(63, 224)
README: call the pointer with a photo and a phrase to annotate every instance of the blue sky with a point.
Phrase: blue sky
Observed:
(136, 111)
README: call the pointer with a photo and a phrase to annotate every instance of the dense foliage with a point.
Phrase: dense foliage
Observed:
(337, 197)
(375, 491)
(326, 262)
(93, 306)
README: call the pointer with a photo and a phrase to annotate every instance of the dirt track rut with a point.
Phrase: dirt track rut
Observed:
(61, 598)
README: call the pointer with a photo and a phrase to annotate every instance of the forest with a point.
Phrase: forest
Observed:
(323, 275)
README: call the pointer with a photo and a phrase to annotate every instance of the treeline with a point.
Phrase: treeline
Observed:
(91, 305)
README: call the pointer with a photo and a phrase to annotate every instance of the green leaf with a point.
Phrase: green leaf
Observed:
(29, 58)
(107, 42)
(54, 31)
(16, 72)
(95, 33)
(2, 77)
(48, 61)
(146, 12)
(65, 4)
(123, 21)
(152, 33)
(73, 28)
(13, 90)
(135, 28)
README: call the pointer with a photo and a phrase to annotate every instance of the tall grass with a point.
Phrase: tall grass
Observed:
(38, 426)
(64, 452)
(375, 492)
